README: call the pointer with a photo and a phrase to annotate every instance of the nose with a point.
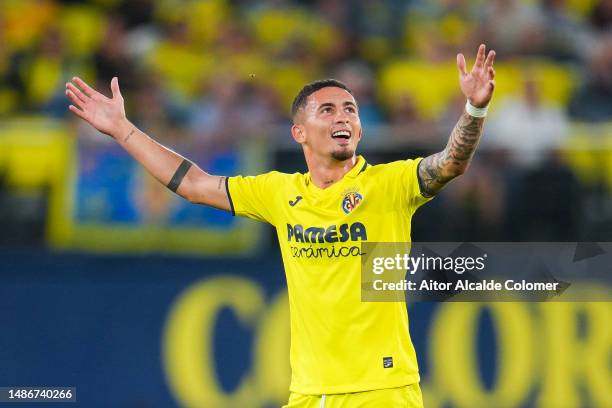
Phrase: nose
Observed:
(342, 117)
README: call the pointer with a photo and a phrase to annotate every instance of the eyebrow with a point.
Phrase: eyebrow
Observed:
(329, 104)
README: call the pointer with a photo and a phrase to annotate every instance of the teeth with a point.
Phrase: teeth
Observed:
(343, 133)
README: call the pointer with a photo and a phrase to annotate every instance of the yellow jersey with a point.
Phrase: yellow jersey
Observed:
(339, 344)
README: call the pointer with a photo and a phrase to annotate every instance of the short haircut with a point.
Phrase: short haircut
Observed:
(300, 100)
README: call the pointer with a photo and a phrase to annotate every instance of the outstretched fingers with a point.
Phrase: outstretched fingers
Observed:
(480, 57)
(81, 114)
(490, 59)
(87, 90)
(77, 92)
(461, 66)
(75, 99)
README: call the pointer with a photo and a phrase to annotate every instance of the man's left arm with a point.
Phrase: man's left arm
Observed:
(437, 170)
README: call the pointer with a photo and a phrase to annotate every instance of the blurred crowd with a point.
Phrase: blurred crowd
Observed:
(209, 63)
(213, 71)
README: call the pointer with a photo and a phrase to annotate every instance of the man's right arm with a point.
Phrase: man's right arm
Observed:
(168, 167)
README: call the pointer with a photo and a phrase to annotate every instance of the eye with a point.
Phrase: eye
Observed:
(351, 109)
(326, 109)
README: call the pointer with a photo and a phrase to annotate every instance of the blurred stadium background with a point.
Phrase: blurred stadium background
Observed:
(111, 284)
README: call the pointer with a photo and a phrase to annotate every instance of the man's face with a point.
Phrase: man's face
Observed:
(329, 125)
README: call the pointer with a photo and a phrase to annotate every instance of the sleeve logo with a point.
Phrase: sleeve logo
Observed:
(351, 201)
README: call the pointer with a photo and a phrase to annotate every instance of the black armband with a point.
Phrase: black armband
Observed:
(422, 185)
(180, 173)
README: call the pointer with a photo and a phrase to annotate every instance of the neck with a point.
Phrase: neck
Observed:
(327, 172)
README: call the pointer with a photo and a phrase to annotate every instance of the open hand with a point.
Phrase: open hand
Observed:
(90, 105)
(478, 85)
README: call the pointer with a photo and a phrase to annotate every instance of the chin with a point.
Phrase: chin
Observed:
(342, 155)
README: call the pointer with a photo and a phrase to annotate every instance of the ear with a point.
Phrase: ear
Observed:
(298, 134)
(360, 133)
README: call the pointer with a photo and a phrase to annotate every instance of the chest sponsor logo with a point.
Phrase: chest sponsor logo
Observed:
(341, 233)
(351, 201)
(300, 234)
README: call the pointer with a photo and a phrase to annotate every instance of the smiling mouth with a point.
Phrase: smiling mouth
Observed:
(341, 134)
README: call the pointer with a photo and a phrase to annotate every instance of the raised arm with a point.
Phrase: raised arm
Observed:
(170, 168)
(437, 170)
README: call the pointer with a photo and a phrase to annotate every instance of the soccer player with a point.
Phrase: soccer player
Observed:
(344, 352)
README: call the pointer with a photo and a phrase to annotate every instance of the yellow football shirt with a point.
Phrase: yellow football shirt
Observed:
(339, 344)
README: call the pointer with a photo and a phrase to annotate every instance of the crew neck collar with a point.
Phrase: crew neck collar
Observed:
(360, 166)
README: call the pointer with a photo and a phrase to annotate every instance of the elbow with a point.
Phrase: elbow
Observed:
(186, 192)
(189, 188)
(191, 197)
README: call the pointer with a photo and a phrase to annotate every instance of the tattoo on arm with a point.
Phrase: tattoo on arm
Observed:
(437, 170)
(221, 181)
(180, 173)
(128, 136)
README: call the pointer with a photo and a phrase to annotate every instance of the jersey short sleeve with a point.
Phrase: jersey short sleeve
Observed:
(254, 196)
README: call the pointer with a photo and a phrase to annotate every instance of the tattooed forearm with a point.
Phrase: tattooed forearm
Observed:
(437, 170)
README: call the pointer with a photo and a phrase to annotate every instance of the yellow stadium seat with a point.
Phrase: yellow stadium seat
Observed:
(288, 79)
(274, 28)
(205, 20)
(557, 82)
(33, 152)
(182, 68)
(589, 153)
(431, 86)
(44, 75)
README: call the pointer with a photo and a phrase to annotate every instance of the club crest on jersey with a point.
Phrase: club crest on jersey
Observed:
(351, 201)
